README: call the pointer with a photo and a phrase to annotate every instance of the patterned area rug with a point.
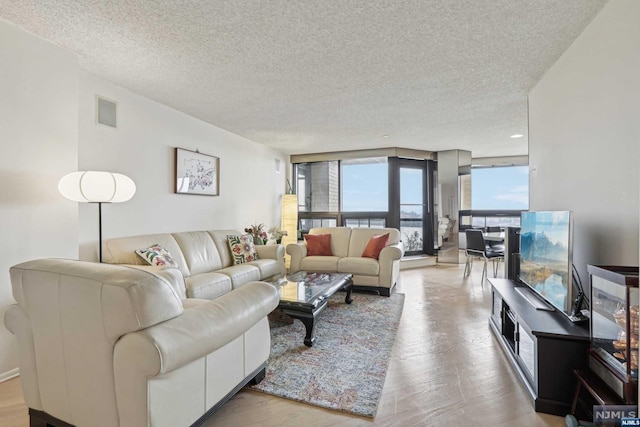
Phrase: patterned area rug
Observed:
(346, 367)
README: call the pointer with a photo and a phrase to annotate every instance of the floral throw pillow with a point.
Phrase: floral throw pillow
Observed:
(157, 255)
(242, 248)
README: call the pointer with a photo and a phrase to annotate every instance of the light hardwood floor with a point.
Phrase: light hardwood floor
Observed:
(446, 369)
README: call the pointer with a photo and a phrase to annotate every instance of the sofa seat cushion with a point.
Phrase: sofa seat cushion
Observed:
(267, 267)
(241, 274)
(319, 263)
(360, 266)
(208, 285)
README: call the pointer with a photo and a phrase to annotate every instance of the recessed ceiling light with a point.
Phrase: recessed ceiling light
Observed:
(517, 135)
(385, 136)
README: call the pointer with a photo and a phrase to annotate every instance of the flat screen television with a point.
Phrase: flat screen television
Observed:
(546, 257)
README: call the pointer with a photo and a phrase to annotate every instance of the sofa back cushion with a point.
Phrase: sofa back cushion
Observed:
(360, 237)
(200, 253)
(219, 238)
(339, 239)
(123, 250)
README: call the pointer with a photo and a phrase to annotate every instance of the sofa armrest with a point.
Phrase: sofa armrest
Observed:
(17, 321)
(275, 252)
(297, 252)
(271, 251)
(200, 330)
(172, 275)
(391, 252)
(389, 260)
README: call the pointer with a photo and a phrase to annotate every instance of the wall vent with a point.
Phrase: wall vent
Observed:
(106, 112)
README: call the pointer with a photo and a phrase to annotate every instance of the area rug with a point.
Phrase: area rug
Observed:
(346, 367)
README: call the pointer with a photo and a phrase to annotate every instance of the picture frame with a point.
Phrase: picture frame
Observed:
(196, 173)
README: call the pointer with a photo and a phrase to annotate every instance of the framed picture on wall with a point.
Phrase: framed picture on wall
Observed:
(197, 173)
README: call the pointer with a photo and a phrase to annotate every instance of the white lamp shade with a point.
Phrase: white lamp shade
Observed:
(96, 186)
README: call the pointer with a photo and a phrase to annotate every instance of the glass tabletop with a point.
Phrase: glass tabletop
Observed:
(304, 287)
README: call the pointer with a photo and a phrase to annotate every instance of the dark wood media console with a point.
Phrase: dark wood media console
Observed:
(544, 347)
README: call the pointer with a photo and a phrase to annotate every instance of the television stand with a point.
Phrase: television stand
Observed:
(543, 347)
(533, 299)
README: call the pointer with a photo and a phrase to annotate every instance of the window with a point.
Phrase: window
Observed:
(317, 187)
(412, 208)
(500, 188)
(307, 224)
(365, 222)
(365, 185)
(374, 192)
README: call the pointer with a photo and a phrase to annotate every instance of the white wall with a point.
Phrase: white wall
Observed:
(142, 147)
(38, 142)
(584, 128)
(47, 129)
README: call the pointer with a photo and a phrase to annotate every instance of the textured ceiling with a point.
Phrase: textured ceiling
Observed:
(307, 76)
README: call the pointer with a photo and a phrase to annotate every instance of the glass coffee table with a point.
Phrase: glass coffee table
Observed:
(304, 296)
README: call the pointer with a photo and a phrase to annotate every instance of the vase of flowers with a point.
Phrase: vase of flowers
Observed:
(275, 235)
(258, 233)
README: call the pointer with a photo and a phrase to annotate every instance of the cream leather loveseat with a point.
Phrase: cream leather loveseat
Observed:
(115, 346)
(204, 259)
(347, 246)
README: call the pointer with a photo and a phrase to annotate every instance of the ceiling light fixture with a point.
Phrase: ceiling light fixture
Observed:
(517, 135)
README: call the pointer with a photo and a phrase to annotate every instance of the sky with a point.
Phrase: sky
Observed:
(500, 188)
(365, 187)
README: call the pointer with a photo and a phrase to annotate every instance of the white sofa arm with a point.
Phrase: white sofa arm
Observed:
(389, 260)
(200, 330)
(173, 276)
(271, 251)
(391, 252)
(297, 251)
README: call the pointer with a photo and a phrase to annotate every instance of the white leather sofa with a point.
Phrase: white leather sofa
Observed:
(347, 246)
(115, 346)
(203, 258)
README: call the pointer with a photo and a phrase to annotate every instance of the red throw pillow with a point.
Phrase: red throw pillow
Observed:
(375, 245)
(318, 244)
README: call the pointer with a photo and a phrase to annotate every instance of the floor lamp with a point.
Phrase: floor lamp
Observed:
(97, 187)
(289, 222)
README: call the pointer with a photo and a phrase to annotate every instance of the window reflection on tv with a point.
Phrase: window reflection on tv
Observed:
(545, 256)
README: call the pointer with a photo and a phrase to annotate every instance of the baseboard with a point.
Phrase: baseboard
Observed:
(418, 261)
(4, 376)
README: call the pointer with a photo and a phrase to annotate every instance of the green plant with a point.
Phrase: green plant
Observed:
(258, 233)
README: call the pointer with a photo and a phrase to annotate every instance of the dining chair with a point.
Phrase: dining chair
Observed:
(478, 248)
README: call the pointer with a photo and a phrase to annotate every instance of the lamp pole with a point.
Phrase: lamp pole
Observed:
(100, 229)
